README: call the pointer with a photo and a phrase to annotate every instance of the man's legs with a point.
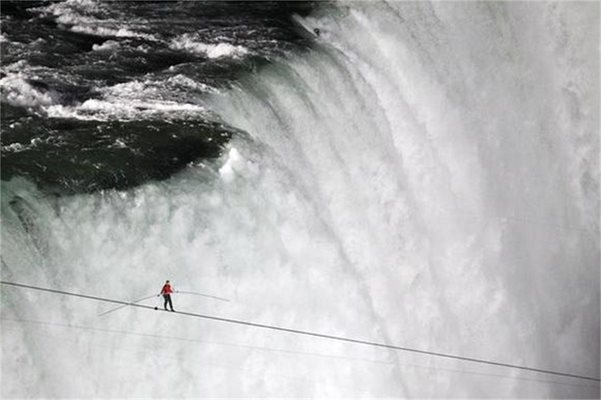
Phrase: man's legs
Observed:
(168, 300)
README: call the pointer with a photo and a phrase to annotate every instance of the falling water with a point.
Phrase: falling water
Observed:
(425, 175)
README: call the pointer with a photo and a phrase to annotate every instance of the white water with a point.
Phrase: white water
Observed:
(77, 15)
(134, 100)
(427, 177)
(192, 44)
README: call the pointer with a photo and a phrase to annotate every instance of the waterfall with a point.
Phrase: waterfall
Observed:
(425, 176)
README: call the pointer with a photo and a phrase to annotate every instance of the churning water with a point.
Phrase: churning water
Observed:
(419, 174)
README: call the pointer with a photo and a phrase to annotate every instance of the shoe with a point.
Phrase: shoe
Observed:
(172, 310)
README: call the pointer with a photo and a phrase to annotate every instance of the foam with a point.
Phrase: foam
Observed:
(75, 15)
(18, 92)
(109, 45)
(191, 43)
(126, 109)
(101, 31)
(125, 101)
(184, 81)
(14, 148)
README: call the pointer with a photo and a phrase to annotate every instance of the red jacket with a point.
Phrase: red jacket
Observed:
(166, 289)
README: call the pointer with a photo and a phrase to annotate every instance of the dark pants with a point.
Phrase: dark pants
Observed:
(168, 300)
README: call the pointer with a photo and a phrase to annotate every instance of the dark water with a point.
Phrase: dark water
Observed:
(111, 94)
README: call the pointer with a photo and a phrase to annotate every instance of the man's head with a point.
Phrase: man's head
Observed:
(167, 282)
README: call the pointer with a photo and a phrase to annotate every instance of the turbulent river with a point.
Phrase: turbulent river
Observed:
(424, 175)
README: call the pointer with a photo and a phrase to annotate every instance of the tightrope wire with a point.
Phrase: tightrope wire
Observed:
(308, 333)
(125, 305)
(157, 295)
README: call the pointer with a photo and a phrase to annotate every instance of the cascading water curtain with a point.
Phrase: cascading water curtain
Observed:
(424, 175)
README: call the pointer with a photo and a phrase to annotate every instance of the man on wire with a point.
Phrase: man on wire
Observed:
(166, 292)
